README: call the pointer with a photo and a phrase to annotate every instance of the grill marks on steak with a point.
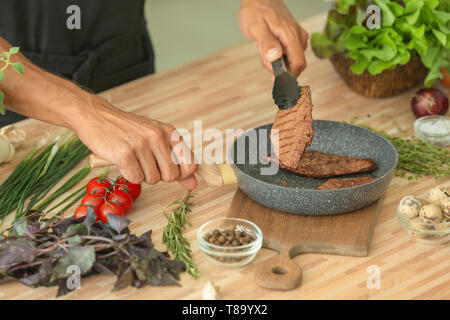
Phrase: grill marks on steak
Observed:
(339, 183)
(295, 131)
(316, 164)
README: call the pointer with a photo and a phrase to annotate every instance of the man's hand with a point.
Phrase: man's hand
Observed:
(270, 24)
(139, 146)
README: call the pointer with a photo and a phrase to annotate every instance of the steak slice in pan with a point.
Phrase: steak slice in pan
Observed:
(295, 130)
(339, 183)
(316, 164)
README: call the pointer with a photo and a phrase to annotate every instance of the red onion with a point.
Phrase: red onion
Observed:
(428, 102)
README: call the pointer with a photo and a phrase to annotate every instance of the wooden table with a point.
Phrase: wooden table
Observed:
(230, 89)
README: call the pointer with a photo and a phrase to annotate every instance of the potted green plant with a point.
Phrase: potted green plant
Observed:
(411, 44)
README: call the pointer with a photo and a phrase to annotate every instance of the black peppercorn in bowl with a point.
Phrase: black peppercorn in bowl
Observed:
(230, 242)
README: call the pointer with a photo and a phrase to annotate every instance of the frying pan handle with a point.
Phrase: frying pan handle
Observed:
(213, 174)
(279, 273)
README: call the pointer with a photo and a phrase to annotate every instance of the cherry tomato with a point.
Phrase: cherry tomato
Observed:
(98, 186)
(109, 208)
(121, 198)
(134, 190)
(93, 200)
(81, 211)
(446, 79)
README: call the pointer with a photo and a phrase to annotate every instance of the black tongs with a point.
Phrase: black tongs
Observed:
(285, 87)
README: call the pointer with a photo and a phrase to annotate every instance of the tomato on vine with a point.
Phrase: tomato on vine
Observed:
(133, 189)
(121, 198)
(109, 208)
(82, 211)
(98, 186)
(93, 200)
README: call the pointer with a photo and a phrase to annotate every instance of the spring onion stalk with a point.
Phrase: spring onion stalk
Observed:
(69, 184)
(38, 173)
(70, 196)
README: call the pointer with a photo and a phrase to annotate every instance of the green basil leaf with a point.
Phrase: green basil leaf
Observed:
(2, 75)
(420, 45)
(360, 62)
(431, 56)
(322, 46)
(343, 6)
(378, 66)
(412, 6)
(432, 4)
(396, 8)
(440, 36)
(442, 16)
(14, 50)
(18, 67)
(388, 17)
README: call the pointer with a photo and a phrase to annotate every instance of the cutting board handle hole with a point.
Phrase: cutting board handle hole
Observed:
(279, 270)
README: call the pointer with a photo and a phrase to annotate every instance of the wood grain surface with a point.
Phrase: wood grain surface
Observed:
(293, 234)
(230, 89)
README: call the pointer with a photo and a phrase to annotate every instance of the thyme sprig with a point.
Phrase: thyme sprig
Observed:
(416, 158)
(173, 237)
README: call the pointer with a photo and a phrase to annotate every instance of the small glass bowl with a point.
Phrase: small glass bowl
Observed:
(425, 233)
(439, 139)
(230, 257)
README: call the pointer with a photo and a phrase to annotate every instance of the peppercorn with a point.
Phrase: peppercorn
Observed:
(229, 237)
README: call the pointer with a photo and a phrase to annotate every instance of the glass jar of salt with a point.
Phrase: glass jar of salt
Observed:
(433, 129)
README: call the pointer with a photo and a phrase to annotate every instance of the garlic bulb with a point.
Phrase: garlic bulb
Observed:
(7, 150)
(13, 135)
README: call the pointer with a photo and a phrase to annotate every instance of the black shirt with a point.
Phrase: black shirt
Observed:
(111, 47)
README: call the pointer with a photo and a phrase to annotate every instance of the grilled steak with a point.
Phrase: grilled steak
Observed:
(339, 183)
(316, 164)
(295, 130)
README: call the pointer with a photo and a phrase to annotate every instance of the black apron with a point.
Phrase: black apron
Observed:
(112, 47)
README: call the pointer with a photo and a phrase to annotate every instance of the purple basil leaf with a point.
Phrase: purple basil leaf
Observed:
(19, 228)
(13, 252)
(90, 218)
(75, 229)
(61, 228)
(124, 280)
(101, 268)
(63, 288)
(178, 266)
(81, 256)
(119, 237)
(33, 279)
(117, 223)
(32, 229)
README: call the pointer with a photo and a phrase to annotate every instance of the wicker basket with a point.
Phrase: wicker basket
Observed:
(386, 84)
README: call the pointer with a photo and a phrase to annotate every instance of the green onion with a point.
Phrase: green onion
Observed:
(39, 172)
(77, 177)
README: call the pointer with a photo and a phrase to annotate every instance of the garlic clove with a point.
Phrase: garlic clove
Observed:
(14, 135)
(210, 291)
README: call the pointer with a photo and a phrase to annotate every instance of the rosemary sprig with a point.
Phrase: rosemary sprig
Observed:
(417, 158)
(173, 237)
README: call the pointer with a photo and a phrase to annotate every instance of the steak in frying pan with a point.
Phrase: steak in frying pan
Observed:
(339, 183)
(316, 164)
(295, 131)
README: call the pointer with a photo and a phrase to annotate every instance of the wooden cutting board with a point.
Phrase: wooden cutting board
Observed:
(293, 234)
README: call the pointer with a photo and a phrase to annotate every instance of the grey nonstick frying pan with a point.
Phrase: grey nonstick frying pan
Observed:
(288, 192)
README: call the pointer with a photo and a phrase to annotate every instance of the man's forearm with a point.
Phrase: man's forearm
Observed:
(42, 95)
